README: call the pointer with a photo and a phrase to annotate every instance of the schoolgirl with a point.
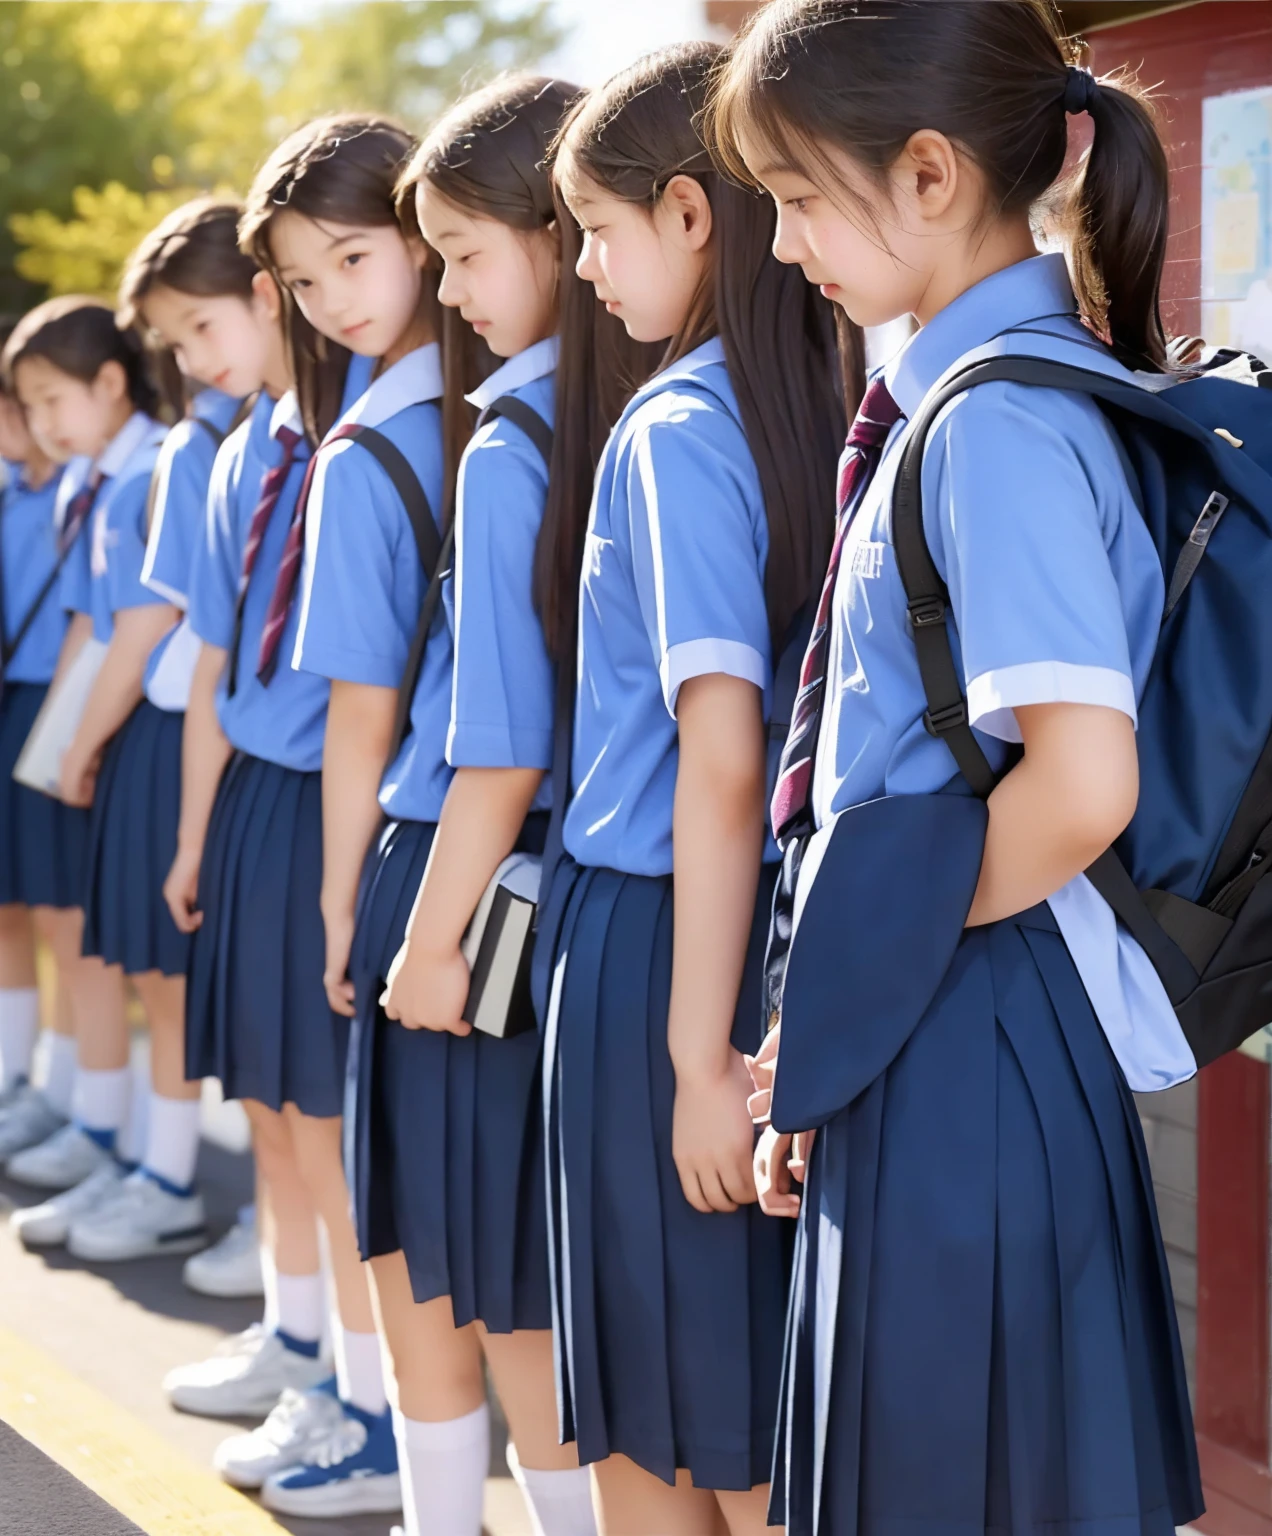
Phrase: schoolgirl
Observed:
(458, 1254)
(281, 856)
(133, 826)
(982, 1335)
(86, 391)
(703, 542)
(235, 336)
(40, 839)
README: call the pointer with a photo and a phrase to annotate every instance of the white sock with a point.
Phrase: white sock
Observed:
(299, 1302)
(19, 1027)
(443, 1469)
(172, 1139)
(359, 1368)
(269, 1284)
(100, 1099)
(560, 1502)
(131, 1143)
(59, 1075)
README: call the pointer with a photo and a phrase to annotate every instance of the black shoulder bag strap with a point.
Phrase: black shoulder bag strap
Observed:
(927, 602)
(9, 647)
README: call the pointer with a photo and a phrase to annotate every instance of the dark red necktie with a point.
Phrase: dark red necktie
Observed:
(272, 483)
(289, 570)
(77, 512)
(879, 413)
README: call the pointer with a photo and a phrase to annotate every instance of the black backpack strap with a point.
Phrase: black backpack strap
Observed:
(406, 483)
(927, 602)
(9, 647)
(524, 416)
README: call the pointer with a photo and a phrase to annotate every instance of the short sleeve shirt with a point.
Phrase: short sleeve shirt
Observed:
(29, 558)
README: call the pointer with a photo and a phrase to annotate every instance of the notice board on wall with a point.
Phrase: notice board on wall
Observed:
(1236, 220)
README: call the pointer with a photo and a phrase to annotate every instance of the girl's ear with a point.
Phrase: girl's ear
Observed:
(685, 204)
(929, 171)
(111, 382)
(265, 294)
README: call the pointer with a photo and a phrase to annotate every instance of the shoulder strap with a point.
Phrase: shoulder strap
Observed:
(524, 416)
(211, 428)
(927, 602)
(9, 648)
(406, 483)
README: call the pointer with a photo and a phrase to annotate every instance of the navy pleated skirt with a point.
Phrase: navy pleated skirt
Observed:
(257, 1016)
(668, 1341)
(42, 841)
(982, 1337)
(443, 1140)
(132, 841)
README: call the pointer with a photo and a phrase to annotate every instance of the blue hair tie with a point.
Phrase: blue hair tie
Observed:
(1080, 87)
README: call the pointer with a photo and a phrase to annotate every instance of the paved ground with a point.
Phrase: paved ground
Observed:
(118, 1329)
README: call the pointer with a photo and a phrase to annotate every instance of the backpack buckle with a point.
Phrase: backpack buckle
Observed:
(926, 610)
(945, 720)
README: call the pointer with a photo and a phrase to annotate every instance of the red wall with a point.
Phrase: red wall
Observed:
(1203, 50)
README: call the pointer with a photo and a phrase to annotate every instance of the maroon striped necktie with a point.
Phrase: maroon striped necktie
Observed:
(280, 603)
(272, 483)
(879, 413)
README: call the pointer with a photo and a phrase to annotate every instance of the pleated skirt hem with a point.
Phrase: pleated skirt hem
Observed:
(981, 1335)
(42, 842)
(257, 1016)
(667, 1349)
(132, 841)
(443, 1149)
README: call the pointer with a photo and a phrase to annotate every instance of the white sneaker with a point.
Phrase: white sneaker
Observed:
(244, 1378)
(44, 1226)
(26, 1119)
(63, 1160)
(231, 1267)
(300, 1423)
(141, 1220)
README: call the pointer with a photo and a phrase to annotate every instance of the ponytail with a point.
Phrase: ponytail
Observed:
(1116, 218)
(995, 79)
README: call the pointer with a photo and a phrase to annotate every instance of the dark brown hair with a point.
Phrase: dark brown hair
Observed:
(343, 170)
(194, 250)
(488, 155)
(796, 383)
(79, 336)
(863, 75)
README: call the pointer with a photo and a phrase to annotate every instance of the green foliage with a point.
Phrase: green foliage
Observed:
(114, 111)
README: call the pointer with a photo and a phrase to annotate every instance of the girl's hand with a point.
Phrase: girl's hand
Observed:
(773, 1175)
(801, 1151)
(181, 889)
(712, 1137)
(78, 780)
(763, 1068)
(335, 978)
(427, 990)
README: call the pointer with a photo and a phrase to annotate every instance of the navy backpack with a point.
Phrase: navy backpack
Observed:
(1187, 876)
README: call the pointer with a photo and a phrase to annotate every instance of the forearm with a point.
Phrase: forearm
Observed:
(1056, 812)
(482, 817)
(204, 751)
(359, 733)
(718, 838)
(117, 689)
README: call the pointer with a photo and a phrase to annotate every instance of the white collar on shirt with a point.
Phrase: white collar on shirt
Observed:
(137, 432)
(535, 362)
(286, 413)
(412, 380)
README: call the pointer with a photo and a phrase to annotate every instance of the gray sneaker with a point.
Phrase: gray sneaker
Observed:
(26, 1119)
(62, 1161)
(47, 1225)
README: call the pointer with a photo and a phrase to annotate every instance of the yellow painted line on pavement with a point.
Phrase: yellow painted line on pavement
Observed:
(119, 1458)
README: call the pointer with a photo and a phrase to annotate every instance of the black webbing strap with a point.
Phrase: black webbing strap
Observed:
(9, 647)
(410, 492)
(523, 416)
(927, 601)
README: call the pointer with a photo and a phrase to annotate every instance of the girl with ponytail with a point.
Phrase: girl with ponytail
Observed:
(981, 1335)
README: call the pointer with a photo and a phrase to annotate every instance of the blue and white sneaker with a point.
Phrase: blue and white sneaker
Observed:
(353, 1472)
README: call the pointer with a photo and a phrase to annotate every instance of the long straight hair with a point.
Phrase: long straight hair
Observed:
(861, 76)
(797, 377)
(338, 170)
(489, 156)
(194, 250)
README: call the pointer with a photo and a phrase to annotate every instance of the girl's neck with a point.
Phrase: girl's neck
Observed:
(277, 379)
(38, 469)
(1004, 245)
(121, 415)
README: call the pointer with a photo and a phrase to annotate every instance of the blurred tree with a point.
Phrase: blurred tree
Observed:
(113, 111)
